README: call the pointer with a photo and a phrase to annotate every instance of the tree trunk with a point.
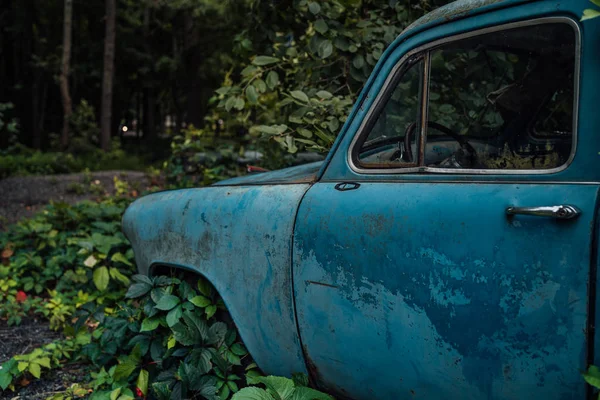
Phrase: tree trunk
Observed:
(107, 79)
(64, 73)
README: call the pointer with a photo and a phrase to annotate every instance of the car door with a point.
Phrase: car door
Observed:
(452, 259)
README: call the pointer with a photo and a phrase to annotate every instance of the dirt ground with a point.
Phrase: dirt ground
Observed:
(24, 196)
(22, 339)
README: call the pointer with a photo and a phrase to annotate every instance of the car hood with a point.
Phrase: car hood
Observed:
(306, 173)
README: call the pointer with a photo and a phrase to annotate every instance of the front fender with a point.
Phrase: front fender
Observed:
(240, 239)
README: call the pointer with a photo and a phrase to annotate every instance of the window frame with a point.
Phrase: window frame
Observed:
(423, 52)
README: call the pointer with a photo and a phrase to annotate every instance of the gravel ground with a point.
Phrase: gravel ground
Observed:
(24, 196)
(24, 338)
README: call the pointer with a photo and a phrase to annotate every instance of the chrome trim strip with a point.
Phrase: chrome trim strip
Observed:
(539, 21)
(471, 182)
(424, 107)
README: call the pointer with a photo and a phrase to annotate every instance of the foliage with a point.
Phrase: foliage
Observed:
(299, 88)
(278, 388)
(200, 158)
(84, 131)
(63, 258)
(170, 343)
(592, 377)
(47, 357)
(20, 161)
(9, 126)
(591, 13)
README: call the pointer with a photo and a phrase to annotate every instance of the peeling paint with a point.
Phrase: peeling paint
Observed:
(449, 12)
(222, 233)
(487, 318)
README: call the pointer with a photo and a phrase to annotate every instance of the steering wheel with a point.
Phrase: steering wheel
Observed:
(462, 140)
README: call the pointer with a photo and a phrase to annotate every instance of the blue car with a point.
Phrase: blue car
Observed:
(447, 247)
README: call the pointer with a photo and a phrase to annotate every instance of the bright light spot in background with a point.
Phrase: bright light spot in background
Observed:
(125, 129)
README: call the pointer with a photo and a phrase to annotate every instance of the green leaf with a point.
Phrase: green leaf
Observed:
(239, 104)
(210, 311)
(271, 130)
(174, 315)
(596, 2)
(325, 49)
(200, 301)
(124, 370)
(238, 349)
(149, 324)
(119, 257)
(305, 132)
(300, 96)
(252, 393)
(359, 61)
(590, 14)
(115, 394)
(264, 60)
(321, 26)
(224, 392)
(35, 370)
(592, 376)
(300, 379)
(204, 287)
(230, 103)
(142, 279)
(167, 302)
(284, 387)
(43, 361)
(101, 278)
(324, 94)
(324, 136)
(142, 381)
(305, 393)
(138, 290)
(272, 80)
(248, 71)
(333, 125)
(314, 7)
(5, 380)
(117, 275)
(251, 94)
(260, 85)
(233, 386)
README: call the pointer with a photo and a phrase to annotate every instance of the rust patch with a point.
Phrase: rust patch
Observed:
(313, 372)
(316, 380)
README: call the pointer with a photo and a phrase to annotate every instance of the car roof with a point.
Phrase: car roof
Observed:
(455, 10)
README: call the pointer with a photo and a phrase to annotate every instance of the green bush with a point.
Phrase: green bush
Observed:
(23, 161)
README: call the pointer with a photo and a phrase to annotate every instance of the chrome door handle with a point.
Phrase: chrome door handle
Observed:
(563, 211)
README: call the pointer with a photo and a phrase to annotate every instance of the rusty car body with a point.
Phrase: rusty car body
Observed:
(448, 245)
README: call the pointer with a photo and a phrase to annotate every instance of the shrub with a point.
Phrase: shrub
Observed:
(21, 161)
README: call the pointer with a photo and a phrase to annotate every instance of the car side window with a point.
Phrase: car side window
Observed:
(502, 100)
(487, 91)
(384, 145)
